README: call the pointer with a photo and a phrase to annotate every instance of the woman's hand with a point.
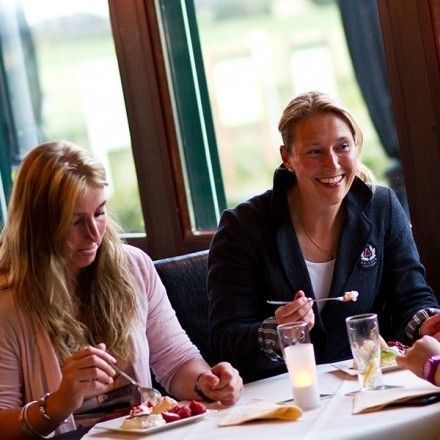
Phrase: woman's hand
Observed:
(300, 309)
(222, 383)
(87, 372)
(415, 357)
(431, 327)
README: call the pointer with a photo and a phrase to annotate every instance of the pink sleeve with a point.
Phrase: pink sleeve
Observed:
(10, 378)
(28, 363)
(169, 344)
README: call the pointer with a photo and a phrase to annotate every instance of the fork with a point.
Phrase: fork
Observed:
(282, 303)
(147, 394)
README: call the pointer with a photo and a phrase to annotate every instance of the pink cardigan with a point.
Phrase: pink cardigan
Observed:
(28, 364)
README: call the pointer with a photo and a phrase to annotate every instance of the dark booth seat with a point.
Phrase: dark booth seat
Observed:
(184, 278)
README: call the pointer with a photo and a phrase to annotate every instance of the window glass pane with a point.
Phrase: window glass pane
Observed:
(258, 55)
(192, 113)
(62, 54)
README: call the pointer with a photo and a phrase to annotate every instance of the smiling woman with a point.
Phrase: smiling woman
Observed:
(319, 152)
(323, 153)
(322, 230)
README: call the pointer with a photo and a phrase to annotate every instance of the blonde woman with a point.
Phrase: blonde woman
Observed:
(74, 301)
(322, 230)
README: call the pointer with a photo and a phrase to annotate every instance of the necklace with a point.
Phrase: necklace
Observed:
(329, 253)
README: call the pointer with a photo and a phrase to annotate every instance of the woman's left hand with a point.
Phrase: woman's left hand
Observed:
(415, 357)
(431, 327)
(222, 383)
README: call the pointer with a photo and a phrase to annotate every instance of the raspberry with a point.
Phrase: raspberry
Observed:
(197, 407)
(170, 416)
(184, 411)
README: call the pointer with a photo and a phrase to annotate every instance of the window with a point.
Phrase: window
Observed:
(61, 81)
(178, 211)
(258, 55)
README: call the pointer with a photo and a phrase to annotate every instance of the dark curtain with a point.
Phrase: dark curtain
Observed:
(360, 19)
(21, 114)
(17, 132)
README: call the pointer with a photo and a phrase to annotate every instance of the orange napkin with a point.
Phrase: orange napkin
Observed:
(260, 409)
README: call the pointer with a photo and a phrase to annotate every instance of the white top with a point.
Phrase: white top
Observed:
(321, 275)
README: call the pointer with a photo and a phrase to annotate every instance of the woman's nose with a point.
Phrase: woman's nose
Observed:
(91, 228)
(331, 160)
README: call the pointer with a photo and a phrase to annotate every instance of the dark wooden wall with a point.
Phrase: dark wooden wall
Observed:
(411, 32)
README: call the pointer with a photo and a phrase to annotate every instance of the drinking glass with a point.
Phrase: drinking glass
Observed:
(300, 360)
(363, 334)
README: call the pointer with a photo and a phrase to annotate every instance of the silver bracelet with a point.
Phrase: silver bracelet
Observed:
(26, 426)
(199, 391)
(42, 406)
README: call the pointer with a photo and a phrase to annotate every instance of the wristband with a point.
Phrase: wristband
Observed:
(430, 368)
(200, 393)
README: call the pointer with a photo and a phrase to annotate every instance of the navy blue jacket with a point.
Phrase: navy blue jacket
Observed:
(255, 255)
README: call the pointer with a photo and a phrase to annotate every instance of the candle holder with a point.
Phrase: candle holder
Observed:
(300, 360)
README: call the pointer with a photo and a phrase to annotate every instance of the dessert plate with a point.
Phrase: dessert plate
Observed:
(116, 425)
(347, 367)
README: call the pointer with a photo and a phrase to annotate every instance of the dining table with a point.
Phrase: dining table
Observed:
(334, 419)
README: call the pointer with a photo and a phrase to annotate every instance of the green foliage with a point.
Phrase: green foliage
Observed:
(223, 29)
(58, 61)
(124, 202)
(309, 23)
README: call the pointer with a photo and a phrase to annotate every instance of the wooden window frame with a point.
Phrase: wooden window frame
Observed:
(153, 134)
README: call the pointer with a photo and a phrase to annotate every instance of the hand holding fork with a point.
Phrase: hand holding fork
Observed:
(147, 394)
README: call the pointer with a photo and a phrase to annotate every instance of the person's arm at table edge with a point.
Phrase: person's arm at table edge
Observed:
(416, 356)
(195, 379)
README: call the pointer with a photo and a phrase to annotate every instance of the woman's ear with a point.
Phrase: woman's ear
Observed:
(285, 157)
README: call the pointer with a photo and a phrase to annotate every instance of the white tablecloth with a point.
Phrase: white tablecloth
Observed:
(332, 421)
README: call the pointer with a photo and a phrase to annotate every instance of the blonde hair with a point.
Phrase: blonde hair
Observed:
(311, 103)
(33, 254)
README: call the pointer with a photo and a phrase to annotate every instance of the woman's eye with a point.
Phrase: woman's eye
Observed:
(343, 147)
(314, 152)
(99, 213)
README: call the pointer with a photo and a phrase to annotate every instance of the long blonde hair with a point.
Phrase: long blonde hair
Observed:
(310, 103)
(33, 254)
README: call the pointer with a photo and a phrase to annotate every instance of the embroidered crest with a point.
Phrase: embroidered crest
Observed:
(368, 257)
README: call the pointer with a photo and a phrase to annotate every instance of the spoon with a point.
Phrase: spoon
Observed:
(348, 296)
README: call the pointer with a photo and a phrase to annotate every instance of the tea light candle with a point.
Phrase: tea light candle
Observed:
(300, 360)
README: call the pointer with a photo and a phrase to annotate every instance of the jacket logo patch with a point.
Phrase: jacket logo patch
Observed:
(368, 257)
